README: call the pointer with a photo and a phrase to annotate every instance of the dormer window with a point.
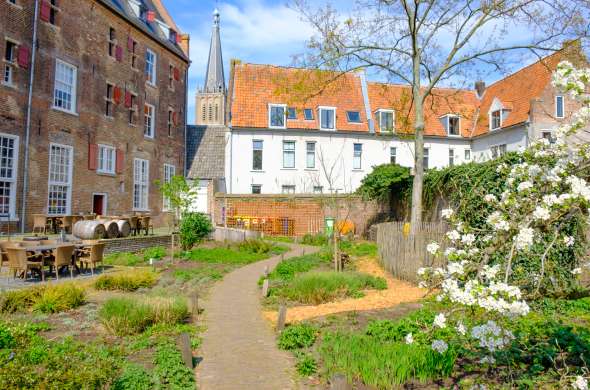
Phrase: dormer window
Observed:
(327, 118)
(495, 119)
(277, 116)
(291, 113)
(353, 116)
(559, 107)
(385, 120)
(452, 124)
(308, 114)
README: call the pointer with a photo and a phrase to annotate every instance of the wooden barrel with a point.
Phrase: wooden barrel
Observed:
(89, 230)
(111, 227)
(124, 227)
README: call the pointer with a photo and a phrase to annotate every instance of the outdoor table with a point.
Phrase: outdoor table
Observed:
(50, 247)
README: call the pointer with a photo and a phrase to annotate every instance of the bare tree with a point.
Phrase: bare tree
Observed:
(424, 43)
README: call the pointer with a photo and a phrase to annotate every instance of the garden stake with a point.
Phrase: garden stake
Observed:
(282, 317)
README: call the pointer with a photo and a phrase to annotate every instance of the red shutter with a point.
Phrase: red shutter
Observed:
(92, 156)
(127, 99)
(176, 74)
(130, 44)
(119, 161)
(117, 95)
(22, 56)
(119, 53)
(45, 11)
(178, 38)
(174, 118)
(150, 16)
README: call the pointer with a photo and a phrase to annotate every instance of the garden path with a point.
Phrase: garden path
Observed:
(239, 347)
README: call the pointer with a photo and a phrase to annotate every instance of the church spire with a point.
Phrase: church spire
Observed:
(214, 78)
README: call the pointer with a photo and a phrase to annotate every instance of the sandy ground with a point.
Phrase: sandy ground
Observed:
(397, 292)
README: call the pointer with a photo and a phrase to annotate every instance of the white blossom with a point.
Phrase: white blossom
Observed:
(524, 239)
(440, 321)
(468, 239)
(433, 248)
(447, 213)
(569, 241)
(439, 346)
(524, 186)
(580, 383)
(490, 198)
(453, 235)
(577, 271)
(461, 329)
(409, 338)
(541, 213)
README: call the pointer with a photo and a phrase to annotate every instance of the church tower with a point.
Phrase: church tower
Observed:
(210, 100)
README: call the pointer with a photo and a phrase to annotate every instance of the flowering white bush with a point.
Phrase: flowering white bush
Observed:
(519, 253)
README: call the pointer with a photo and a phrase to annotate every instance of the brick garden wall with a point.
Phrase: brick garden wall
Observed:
(306, 211)
(135, 244)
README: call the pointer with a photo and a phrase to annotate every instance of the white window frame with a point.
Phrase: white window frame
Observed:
(318, 189)
(169, 172)
(498, 152)
(261, 153)
(151, 66)
(73, 86)
(562, 108)
(291, 152)
(354, 122)
(378, 115)
(550, 132)
(288, 187)
(393, 153)
(305, 117)
(106, 201)
(152, 124)
(467, 154)
(492, 121)
(144, 186)
(326, 108)
(448, 124)
(270, 107)
(9, 65)
(12, 179)
(426, 158)
(357, 160)
(452, 157)
(309, 153)
(68, 184)
(259, 188)
(103, 165)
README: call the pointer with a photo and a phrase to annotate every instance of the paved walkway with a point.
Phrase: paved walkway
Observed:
(239, 348)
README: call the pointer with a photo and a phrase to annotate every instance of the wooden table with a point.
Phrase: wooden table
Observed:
(51, 247)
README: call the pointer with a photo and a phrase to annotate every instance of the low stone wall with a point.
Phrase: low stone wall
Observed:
(137, 243)
(234, 235)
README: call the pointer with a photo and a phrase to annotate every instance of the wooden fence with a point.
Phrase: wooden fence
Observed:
(402, 253)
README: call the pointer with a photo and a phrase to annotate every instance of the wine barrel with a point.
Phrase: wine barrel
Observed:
(89, 230)
(124, 227)
(111, 227)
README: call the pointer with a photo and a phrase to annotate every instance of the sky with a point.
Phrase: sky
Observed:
(255, 31)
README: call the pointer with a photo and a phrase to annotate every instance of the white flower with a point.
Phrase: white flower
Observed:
(579, 187)
(524, 186)
(453, 235)
(447, 213)
(487, 360)
(491, 272)
(525, 238)
(440, 320)
(409, 338)
(577, 271)
(461, 329)
(569, 241)
(497, 221)
(490, 198)
(455, 268)
(432, 248)
(541, 213)
(468, 239)
(421, 271)
(580, 383)
(439, 346)
(423, 284)
(550, 200)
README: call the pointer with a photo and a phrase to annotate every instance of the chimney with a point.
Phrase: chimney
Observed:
(185, 43)
(480, 88)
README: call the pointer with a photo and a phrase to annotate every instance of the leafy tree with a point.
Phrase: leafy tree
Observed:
(383, 180)
(179, 193)
(194, 227)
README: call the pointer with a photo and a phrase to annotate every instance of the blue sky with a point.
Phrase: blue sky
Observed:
(255, 31)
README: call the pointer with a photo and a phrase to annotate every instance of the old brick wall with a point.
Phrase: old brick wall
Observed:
(306, 211)
(136, 244)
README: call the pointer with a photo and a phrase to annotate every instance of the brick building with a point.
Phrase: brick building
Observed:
(106, 81)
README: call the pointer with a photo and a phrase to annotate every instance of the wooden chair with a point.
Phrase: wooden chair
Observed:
(3, 254)
(76, 218)
(90, 217)
(91, 256)
(66, 223)
(19, 261)
(134, 224)
(63, 257)
(146, 224)
(40, 223)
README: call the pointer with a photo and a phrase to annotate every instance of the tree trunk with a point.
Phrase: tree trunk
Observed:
(336, 257)
(416, 213)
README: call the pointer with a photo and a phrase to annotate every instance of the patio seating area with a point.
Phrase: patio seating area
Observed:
(46, 224)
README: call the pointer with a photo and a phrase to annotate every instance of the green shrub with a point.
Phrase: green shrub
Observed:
(222, 256)
(297, 336)
(125, 316)
(194, 227)
(359, 249)
(6, 338)
(156, 253)
(320, 287)
(49, 298)
(170, 368)
(186, 274)
(319, 239)
(129, 281)
(133, 377)
(383, 180)
(285, 239)
(306, 364)
(127, 259)
(255, 246)
(288, 268)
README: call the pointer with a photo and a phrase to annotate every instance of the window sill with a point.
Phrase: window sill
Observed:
(109, 174)
(15, 5)
(73, 113)
(9, 85)
(333, 130)
(7, 218)
(110, 118)
(358, 170)
(148, 137)
(454, 135)
(278, 127)
(257, 171)
(288, 169)
(141, 210)
(151, 85)
(311, 169)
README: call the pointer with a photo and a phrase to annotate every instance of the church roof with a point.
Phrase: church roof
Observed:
(215, 78)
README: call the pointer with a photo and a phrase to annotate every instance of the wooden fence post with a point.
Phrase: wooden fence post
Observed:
(186, 349)
(282, 317)
(195, 305)
(339, 382)
(265, 288)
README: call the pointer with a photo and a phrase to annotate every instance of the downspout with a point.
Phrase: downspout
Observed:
(185, 170)
(28, 124)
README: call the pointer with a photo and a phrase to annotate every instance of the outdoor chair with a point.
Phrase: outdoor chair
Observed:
(146, 224)
(63, 257)
(3, 254)
(90, 217)
(40, 223)
(91, 256)
(66, 223)
(20, 261)
(134, 225)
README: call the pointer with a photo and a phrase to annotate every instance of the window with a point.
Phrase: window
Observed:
(171, 77)
(353, 116)
(257, 155)
(392, 155)
(106, 159)
(498, 150)
(357, 156)
(327, 118)
(425, 158)
(291, 113)
(453, 124)
(548, 135)
(112, 42)
(288, 189)
(53, 12)
(467, 154)
(170, 122)
(310, 155)
(169, 172)
(149, 120)
(385, 121)
(288, 154)
(109, 100)
(559, 107)
(140, 184)
(60, 179)
(276, 116)
(318, 189)
(64, 95)
(9, 58)
(12, 1)
(451, 157)
(132, 110)
(134, 55)
(308, 114)
(8, 153)
(256, 188)
(496, 119)
(150, 66)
